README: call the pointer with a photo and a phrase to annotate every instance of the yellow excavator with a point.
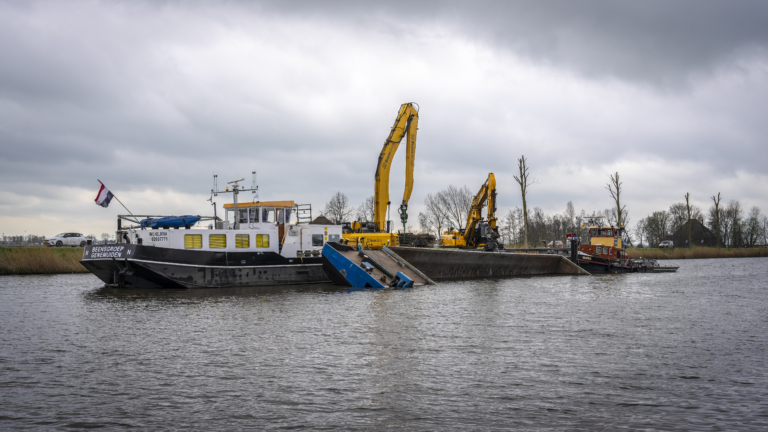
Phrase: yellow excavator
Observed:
(377, 234)
(478, 233)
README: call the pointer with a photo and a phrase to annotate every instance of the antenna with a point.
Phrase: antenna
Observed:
(235, 181)
(215, 189)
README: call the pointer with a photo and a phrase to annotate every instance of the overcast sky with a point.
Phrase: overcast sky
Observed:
(154, 97)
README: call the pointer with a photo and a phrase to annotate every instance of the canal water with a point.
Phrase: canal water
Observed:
(683, 351)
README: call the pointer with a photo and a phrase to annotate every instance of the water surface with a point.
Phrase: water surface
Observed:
(683, 351)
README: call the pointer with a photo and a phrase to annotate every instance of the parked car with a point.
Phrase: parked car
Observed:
(66, 239)
(667, 244)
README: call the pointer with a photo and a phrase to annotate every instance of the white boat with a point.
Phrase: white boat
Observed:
(257, 243)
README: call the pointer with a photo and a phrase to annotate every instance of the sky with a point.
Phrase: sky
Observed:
(154, 97)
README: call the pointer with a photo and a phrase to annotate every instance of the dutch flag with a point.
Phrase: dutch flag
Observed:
(104, 196)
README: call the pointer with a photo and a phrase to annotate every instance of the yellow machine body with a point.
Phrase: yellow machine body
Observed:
(406, 125)
(468, 238)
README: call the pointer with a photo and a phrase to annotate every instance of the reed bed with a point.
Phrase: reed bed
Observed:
(22, 260)
(697, 253)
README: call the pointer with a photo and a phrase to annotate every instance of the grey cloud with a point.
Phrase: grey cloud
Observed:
(658, 42)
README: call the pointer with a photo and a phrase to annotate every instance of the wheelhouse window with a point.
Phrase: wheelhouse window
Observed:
(593, 232)
(279, 213)
(193, 241)
(242, 241)
(262, 240)
(217, 241)
(243, 215)
(268, 215)
(317, 239)
(231, 216)
(334, 237)
(253, 215)
(599, 250)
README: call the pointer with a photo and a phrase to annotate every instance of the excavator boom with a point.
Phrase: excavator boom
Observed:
(406, 124)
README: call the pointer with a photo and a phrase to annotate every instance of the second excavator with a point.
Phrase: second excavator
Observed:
(377, 234)
(477, 233)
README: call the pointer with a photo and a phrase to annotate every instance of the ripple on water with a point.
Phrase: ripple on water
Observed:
(666, 352)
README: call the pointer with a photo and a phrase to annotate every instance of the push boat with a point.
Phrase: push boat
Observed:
(258, 243)
(605, 252)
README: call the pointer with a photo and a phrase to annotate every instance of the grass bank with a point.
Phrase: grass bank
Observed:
(695, 253)
(21, 260)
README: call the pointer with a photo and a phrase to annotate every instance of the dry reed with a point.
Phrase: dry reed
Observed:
(23, 260)
(697, 253)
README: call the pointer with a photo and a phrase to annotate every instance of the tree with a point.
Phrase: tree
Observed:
(614, 187)
(366, 211)
(337, 209)
(688, 208)
(105, 236)
(717, 218)
(656, 226)
(446, 208)
(640, 230)
(764, 229)
(678, 214)
(522, 180)
(570, 216)
(752, 228)
(735, 217)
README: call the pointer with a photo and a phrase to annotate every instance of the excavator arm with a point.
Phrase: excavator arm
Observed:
(406, 124)
(468, 239)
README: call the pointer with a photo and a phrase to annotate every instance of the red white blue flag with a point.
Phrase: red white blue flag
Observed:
(104, 196)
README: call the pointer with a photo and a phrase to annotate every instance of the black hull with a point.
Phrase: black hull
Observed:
(598, 265)
(147, 267)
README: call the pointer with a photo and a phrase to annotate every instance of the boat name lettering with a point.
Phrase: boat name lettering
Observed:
(107, 251)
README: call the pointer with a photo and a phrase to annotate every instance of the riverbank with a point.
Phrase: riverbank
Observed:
(38, 260)
(697, 253)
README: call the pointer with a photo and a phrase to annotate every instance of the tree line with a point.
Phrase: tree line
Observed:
(729, 224)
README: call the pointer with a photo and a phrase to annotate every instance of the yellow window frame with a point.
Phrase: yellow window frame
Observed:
(217, 241)
(242, 241)
(193, 241)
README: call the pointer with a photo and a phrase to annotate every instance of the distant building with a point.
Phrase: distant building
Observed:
(700, 235)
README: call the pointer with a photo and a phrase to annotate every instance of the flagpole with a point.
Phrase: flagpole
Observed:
(118, 200)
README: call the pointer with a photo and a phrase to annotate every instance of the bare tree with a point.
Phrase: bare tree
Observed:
(447, 208)
(455, 204)
(366, 211)
(338, 209)
(688, 207)
(104, 237)
(614, 187)
(678, 214)
(570, 216)
(640, 230)
(752, 229)
(523, 181)
(656, 226)
(717, 217)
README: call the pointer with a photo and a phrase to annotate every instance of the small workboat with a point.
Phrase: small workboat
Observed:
(652, 266)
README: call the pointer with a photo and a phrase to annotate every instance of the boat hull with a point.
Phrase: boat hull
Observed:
(150, 267)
